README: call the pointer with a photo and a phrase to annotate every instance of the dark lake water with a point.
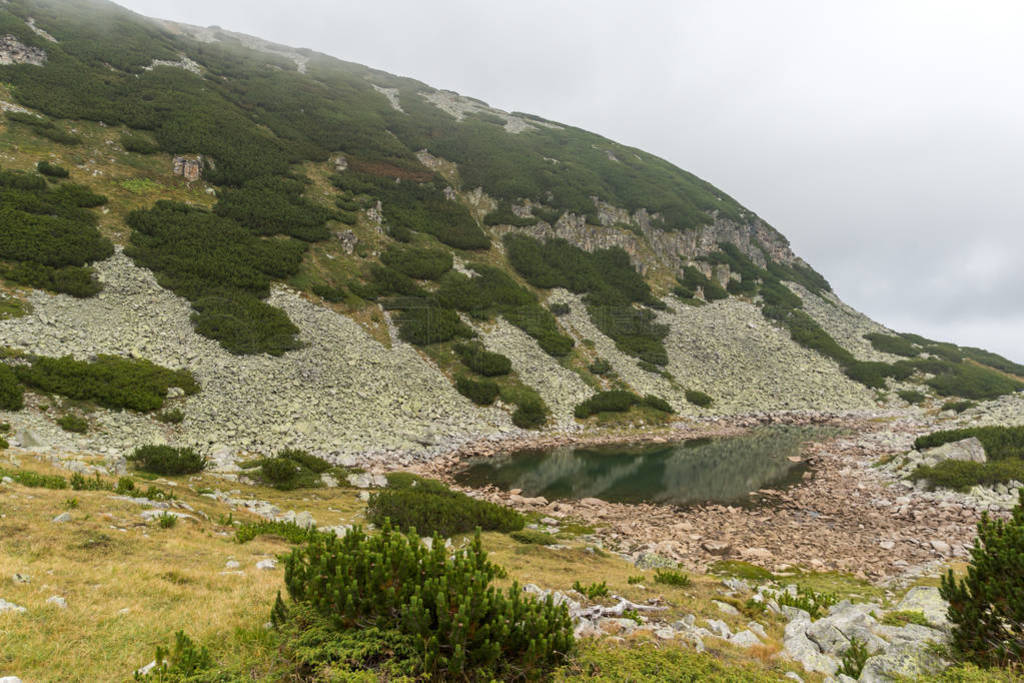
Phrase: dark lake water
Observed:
(720, 470)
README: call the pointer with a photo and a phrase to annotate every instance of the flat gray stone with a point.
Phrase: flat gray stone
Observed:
(903, 661)
(966, 450)
(926, 599)
(745, 639)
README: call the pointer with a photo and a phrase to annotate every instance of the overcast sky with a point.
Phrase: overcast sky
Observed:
(885, 139)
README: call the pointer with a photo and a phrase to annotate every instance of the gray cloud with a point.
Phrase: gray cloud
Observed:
(884, 139)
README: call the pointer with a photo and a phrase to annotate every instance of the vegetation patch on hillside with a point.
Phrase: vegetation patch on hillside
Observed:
(612, 290)
(49, 234)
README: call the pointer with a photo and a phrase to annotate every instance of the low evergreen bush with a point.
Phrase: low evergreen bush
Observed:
(481, 361)
(658, 403)
(12, 395)
(434, 509)
(600, 367)
(289, 531)
(482, 392)
(614, 401)
(671, 577)
(110, 381)
(999, 442)
(533, 537)
(530, 413)
(167, 460)
(52, 170)
(960, 475)
(698, 398)
(421, 264)
(73, 423)
(138, 143)
(986, 607)
(462, 627)
(958, 406)
(912, 397)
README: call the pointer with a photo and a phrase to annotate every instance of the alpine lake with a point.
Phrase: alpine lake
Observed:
(723, 470)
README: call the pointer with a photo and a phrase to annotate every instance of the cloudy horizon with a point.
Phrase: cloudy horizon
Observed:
(884, 140)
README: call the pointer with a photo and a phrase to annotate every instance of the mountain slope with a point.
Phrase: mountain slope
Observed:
(334, 251)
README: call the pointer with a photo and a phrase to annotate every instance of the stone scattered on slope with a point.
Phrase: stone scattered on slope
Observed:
(926, 599)
(902, 661)
(10, 606)
(57, 601)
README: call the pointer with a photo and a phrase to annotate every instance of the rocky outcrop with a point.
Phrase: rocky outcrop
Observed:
(188, 167)
(13, 51)
(651, 246)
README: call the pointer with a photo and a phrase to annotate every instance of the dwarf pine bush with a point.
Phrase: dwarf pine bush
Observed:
(167, 460)
(987, 606)
(462, 626)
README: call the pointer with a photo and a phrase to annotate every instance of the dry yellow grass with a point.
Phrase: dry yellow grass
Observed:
(129, 584)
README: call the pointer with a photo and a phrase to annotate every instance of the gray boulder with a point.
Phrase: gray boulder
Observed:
(926, 599)
(799, 647)
(967, 450)
(900, 662)
(745, 639)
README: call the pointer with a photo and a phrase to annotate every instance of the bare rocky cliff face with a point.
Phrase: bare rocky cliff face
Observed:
(651, 247)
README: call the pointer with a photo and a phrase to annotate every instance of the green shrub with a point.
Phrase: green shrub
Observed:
(185, 662)
(533, 537)
(110, 381)
(75, 281)
(600, 367)
(432, 511)
(174, 416)
(167, 460)
(902, 618)
(35, 480)
(80, 482)
(973, 381)
(462, 625)
(658, 403)
(481, 361)
(559, 309)
(635, 580)
(912, 397)
(12, 395)
(290, 469)
(896, 345)
(421, 264)
(52, 170)
(698, 398)
(530, 413)
(999, 442)
(962, 475)
(223, 268)
(958, 406)
(280, 472)
(812, 602)
(614, 401)
(334, 294)
(138, 143)
(671, 577)
(986, 607)
(289, 531)
(167, 520)
(854, 657)
(482, 392)
(431, 325)
(73, 423)
(593, 590)
(275, 206)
